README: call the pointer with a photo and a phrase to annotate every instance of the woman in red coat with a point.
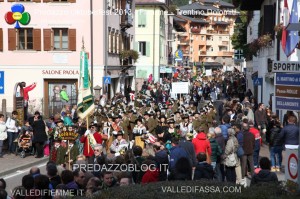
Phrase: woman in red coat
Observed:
(201, 143)
(90, 138)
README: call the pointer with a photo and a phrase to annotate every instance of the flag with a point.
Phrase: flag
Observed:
(292, 37)
(203, 70)
(194, 71)
(85, 98)
(285, 23)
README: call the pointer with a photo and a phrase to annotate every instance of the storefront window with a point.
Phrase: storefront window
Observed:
(59, 94)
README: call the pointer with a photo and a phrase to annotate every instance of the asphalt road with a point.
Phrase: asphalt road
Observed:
(15, 179)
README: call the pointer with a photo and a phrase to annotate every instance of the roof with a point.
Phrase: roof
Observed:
(221, 23)
(195, 20)
(142, 2)
(222, 3)
(178, 19)
(197, 6)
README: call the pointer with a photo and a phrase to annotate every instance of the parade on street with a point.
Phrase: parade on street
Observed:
(149, 99)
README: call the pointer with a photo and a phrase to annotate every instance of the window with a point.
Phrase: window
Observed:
(60, 39)
(211, 49)
(24, 0)
(141, 18)
(59, 0)
(220, 38)
(142, 47)
(25, 39)
(117, 43)
(109, 41)
(112, 42)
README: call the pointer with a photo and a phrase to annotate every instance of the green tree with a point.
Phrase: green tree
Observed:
(239, 37)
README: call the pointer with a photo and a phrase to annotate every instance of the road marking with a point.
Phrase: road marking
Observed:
(19, 172)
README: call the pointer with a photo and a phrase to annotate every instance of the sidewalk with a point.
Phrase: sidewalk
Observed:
(12, 163)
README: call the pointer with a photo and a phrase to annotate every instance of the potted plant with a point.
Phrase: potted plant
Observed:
(264, 40)
(278, 29)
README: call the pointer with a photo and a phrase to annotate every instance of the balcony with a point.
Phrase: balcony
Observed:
(195, 30)
(202, 53)
(183, 42)
(186, 52)
(203, 31)
(224, 32)
(225, 53)
(126, 18)
(224, 43)
(212, 32)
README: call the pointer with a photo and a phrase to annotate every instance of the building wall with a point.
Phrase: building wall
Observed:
(147, 65)
(36, 66)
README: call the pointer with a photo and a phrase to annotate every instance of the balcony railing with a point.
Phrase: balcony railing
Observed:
(183, 42)
(225, 53)
(225, 42)
(126, 18)
(223, 32)
(202, 52)
(195, 30)
(212, 32)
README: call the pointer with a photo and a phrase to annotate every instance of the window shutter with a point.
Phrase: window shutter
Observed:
(37, 39)
(37, 1)
(11, 39)
(148, 49)
(111, 42)
(1, 0)
(1, 39)
(11, 0)
(120, 42)
(47, 40)
(268, 26)
(142, 18)
(72, 1)
(46, 1)
(136, 46)
(72, 39)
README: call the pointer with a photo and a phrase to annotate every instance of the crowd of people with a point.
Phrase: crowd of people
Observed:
(213, 133)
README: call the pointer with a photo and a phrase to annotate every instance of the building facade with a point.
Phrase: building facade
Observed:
(153, 39)
(120, 38)
(209, 26)
(265, 16)
(47, 50)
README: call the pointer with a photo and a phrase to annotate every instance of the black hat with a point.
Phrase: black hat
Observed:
(185, 116)
(195, 113)
(162, 116)
(118, 133)
(138, 120)
(171, 121)
(59, 121)
(147, 113)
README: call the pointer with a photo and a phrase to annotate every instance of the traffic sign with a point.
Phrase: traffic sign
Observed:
(257, 81)
(287, 79)
(288, 91)
(107, 80)
(178, 55)
(288, 103)
(1, 82)
(286, 66)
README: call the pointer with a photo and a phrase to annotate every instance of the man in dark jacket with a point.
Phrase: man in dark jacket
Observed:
(248, 147)
(176, 152)
(52, 174)
(264, 175)
(225, 126)
(203, 169)
(220, 168)
(162, 161)
(189, 148)
(290, 133)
